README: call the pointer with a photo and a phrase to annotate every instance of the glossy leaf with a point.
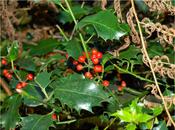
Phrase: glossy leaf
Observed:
(33, 96)
(12, 115)
(43, 47)
(37, 122)
(74, 49)
(43, 79)
(13, 51)
(106, 25)
(79, 94)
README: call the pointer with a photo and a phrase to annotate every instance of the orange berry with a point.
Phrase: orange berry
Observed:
(105, 83)
(81, 59)
(123, 84)
(54, 116)
(88, 75)
(98, 68)
(4, 62)
(30, 77)
(94, 51)
(79, 67)
(99, 55)
(120, 88)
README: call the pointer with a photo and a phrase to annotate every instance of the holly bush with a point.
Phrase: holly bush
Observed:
(83, 65)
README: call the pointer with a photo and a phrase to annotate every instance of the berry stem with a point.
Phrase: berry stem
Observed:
(80, 35)
(13, 68)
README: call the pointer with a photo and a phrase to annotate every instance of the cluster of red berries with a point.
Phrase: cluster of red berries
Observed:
(23, 84)
(95, 57)
(8, 75)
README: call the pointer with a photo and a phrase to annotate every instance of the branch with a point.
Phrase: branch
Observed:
(5, 87)
(149, 61)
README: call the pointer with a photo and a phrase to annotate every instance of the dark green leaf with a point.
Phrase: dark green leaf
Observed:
(33, 96)
(43, 47)
(13, 51)
(161, 126)
(12, 116)
(43, 79)
(37, 122)
(130, 53)
(27, 64)
(79, 12)
(79, 93)
(74, 49)
(106, 58)
(154, 49)
(106, 25)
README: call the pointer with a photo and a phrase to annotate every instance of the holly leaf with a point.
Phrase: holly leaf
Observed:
(79, 93)
(73, 49)
(65, 17)
(155, 50)
(12, 116)
(130, 53)
(37, 122)
(27, 64)
(43, 47)
(32, 96)
(13, 51)
(106, 25)
(43, 79)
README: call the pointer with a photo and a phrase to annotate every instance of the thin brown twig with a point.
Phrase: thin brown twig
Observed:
(5, 87)
(149, 61)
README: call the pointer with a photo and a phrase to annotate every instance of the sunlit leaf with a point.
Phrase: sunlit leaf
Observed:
(106, 25)
(79, 93)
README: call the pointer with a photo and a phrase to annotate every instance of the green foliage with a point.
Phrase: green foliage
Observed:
(43, 47)
(32, 96)
(73, 48)
(37, 122)
(133, 115)
(12, 117)
(79, 93)
(27, 64)
(43, 79)
(105, 28)
(13, 51)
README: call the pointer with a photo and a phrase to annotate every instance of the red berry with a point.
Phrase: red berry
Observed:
(23, 84)
(81, 59)
(3, 62)
(99, 55)
(54, 116)
(19, 86)
(88, 75)
(94, 51)
(30, 77)
(93, 56)
(75, 62)
(67, 56)
(98, 68)
(95, 60)
(5, 71)
(123, 84)
(120, 88)
(105, 83)
(79, 67)
(8, 76)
